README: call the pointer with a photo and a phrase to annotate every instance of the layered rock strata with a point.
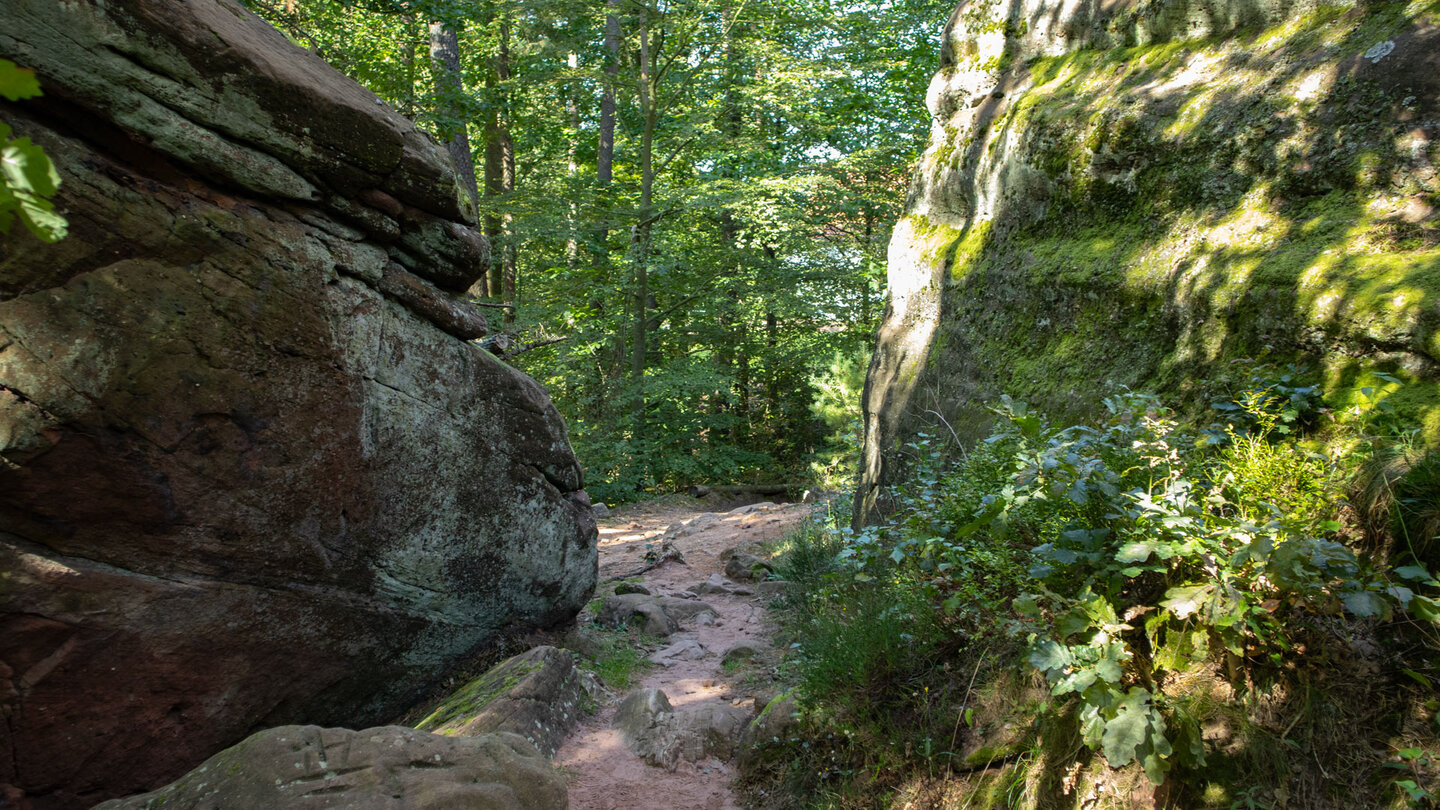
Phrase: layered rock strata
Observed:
(252, 469)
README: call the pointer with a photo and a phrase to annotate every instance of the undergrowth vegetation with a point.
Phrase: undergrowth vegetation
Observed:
(1133, 613)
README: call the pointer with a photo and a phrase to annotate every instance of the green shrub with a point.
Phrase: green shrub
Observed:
(1117, 557)
(1172, 555)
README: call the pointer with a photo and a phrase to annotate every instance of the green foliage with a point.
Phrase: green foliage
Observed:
(1116, 561)
(1168, 554)
(619, 658)
(1415, 761)
(27, 177)
(837, 404)
(776, 177)
(1397, 491)
(877, 617)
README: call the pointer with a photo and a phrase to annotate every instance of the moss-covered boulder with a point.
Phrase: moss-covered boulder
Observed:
(1142, 194)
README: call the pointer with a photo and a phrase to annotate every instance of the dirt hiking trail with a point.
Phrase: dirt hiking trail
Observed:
(604, 773)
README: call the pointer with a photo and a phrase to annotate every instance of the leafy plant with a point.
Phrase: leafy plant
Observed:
(1414, 761)
(1397, 492)
(1153, 555)
(27, 177)
(1116, 560)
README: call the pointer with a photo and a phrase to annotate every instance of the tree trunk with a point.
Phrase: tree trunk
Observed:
(640, 235)
(734, 324)
(572, 166)
(494, 187)
(604, 173)
(509, 260)
(772, 374)
(407, 108)
(605, 154)
(450, 89)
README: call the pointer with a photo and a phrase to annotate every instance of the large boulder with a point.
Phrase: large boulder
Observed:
(1151, 195)
(388, 768)
(252, 469)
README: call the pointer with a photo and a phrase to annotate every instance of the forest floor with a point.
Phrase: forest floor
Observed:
(604, 774)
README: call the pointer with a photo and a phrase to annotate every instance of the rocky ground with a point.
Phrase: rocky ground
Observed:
(706, 608)
(685, 588)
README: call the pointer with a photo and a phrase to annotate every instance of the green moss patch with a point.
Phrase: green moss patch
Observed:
(472, 698)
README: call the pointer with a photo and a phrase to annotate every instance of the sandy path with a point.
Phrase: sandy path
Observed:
(604, 774)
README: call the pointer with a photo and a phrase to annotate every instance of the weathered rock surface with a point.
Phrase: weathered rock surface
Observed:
(538, 694)
(251, 470)
(685, 649)
(773, 588)
(646, 721)
(661, 736)
(386, 768)
(1139, 194)
(743, 651)
(742, 566)
(778, 715)
(655, 615)
(715, 584)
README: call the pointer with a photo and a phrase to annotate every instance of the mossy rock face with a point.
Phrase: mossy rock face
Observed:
(1107, 205)
(539, 695)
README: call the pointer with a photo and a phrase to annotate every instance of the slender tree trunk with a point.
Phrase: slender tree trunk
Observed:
(407, 23)
(450, 88)
(605, 154)
(772, 345)
(640, 236)
(868, 249)
(509, 260)
(494, 187)
(733, 324)
(572, 166)
(604, 172)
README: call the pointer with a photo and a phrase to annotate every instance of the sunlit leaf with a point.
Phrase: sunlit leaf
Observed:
(1048, 656)
(1183, 601)
(1128, 729)
(17, 83)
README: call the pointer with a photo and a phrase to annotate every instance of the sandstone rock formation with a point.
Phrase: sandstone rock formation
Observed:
(656, 732)
(539, 694)
(1142, 193)
(251, 469)
(388, 768)
(654, 615)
